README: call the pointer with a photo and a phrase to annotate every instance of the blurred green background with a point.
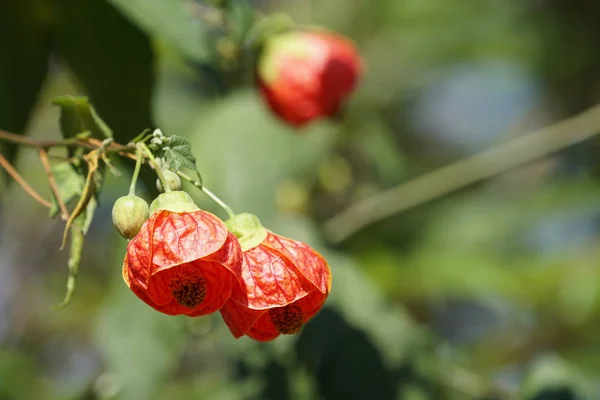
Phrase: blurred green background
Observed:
(490, 292)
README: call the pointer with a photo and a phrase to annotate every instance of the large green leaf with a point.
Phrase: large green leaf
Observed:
(171, 20)
(24, 50)
(113, 60)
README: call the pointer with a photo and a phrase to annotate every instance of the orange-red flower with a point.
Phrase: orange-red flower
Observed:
(183, 261)
(284, 283)
(306, 75)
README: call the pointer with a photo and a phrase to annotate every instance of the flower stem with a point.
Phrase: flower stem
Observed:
(154, 164)
(88, 143)
(136, 171)
(207, 192)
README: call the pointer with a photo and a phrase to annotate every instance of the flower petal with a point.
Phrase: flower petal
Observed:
(183, 263)
(308, 261)
(264, 329)
(215, 279)
(238, 318)
(269, 279)
(140, 291)
(183, 237)
(139, 251)
(311, 304)
(229, 255)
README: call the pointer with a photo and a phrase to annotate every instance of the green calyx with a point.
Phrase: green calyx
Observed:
(247, 228)
(177, 201)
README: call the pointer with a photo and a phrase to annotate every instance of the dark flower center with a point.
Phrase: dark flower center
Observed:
(288, 320)
(189, 292)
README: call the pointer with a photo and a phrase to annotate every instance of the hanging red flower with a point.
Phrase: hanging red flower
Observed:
(306, 75)
(183, 260)
(284, 283)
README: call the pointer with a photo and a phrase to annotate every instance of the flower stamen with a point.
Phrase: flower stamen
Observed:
(188, 292)
(288, 320)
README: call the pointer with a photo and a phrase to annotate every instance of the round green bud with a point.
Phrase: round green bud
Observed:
(129, 214)
(173, 180)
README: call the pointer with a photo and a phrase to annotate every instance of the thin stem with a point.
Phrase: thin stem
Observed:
(44, 144)
(217, 200)
(64, 214)
(19, 179)
(207, 192)
(72, 142)
(524, 149)
(136, 171)
(154, 164)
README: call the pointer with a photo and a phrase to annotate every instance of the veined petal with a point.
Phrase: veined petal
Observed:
(269, 279)
(183, 263)
(182, 237)
(308, 261)
(239, 319)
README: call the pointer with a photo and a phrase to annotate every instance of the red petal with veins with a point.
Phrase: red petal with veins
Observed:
(269, 279)
(279, 273)
(239, 319)
(183, 263)
(258, 324)
(311, 264)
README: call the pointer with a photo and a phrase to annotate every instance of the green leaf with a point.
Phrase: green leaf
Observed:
(112, 59)
(90, 210)
(69, 184)
(78, 116)
(178, 153)
(170, 20)
(75, 253)
(24, 52)
(81, 216)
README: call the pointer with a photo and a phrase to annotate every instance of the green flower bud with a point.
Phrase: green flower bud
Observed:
(129, 214)
(173, 180)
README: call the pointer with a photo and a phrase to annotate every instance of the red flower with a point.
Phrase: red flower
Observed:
(307, 75)
(284, 284)
(182, 261)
